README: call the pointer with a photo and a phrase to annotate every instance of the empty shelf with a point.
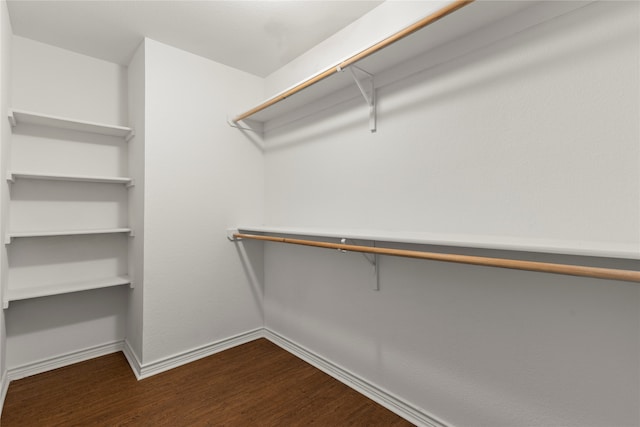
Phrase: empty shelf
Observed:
(25, 117)
(17, 234)
(63, 288)
(59, 177)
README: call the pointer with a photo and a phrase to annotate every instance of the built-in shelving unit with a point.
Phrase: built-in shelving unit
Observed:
(17, 117)
(62, 288)
(12, 176)
(36, 162)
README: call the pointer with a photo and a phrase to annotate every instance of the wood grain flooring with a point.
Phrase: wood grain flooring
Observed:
(255, 384)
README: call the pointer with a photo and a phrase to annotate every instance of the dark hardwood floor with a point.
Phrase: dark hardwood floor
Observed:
(255, 384)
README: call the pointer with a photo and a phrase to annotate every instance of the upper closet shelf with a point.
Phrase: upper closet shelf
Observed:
(17, 117)
(496, 19)
(12, 176)
(596, 249)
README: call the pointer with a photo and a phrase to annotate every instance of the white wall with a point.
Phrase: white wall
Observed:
(136, 93)
(201, 176)
(55, 81)
(459, 158)
(49, 80)
(533, 137)
(381, 22)
(5, 133)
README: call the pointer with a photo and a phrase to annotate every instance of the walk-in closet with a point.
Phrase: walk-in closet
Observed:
(328, 213)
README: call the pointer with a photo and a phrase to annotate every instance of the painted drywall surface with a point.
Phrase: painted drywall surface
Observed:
(43, 328)
(518, 125)
(470, 345)
(136, 92)
(201, 176)
(381, 22)
(52, 81)
(6, 37)
(507, 140)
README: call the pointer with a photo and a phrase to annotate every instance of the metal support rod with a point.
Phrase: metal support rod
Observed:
(543, 267)
(376, 266)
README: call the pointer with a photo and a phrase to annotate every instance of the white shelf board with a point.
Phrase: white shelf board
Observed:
(501, 19)
(62, 288)
(59, 177)
(17, 117)
(17, 234)
(597, 249)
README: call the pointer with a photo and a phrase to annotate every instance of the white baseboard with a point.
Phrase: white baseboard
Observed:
(4, 386)
(361, 385)
(373, 392)
(148, 369)
(56, 362)
(132, 359)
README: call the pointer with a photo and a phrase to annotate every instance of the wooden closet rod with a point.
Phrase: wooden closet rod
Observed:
(441, 13)
(544, 267)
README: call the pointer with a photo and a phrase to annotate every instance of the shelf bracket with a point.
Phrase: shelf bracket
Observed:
(12, 119)
(245, 125)
(130, 135)
(373, 259)
(230, 233)
(368, 95)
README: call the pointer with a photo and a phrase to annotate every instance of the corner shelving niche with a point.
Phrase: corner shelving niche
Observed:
(31, 289)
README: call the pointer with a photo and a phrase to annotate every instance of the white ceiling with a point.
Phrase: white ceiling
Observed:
(255, 36)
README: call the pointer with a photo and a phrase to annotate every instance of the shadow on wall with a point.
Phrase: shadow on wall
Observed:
(496, 345)
(64, 204)
(62, 251)
(510, 59)
(39, 315)
(250, 130)
(251, 256)
(323, 123)
(66, 191)
(113, 148)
